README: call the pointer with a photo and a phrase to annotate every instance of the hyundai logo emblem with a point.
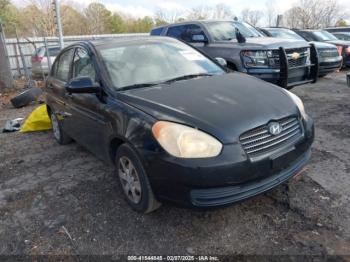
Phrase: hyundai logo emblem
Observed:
(275, 128)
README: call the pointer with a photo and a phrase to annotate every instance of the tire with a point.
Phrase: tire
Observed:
(61, 137)
(141, 197)
(25, 97)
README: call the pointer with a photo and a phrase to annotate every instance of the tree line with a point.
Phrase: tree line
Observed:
(37, 17)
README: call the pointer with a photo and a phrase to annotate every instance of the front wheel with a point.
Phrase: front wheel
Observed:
(61, 137)
(134, 181)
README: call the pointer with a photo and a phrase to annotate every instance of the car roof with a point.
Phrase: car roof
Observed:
(122, 41)
(275, 28)
(208, 21)
(340, 33)
(310, 30)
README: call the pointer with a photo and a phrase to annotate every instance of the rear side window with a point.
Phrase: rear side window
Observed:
(184, 32)
(157, 31)
(62, 67)
(176, 31)
(83, 64)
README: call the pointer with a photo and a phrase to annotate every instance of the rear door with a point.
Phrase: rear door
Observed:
(56, 92)
(186, 32)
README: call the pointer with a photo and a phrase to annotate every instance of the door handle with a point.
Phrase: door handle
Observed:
(64, 114)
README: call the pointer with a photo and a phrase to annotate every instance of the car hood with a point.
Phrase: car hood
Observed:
(339, 42)
(323, 45)
(222, 105)
(271, 43)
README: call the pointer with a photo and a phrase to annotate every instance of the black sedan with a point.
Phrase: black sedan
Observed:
(176, 124)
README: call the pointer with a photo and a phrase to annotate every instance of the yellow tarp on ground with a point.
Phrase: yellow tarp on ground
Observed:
(38, 120)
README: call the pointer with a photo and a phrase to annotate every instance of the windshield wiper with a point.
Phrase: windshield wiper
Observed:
(163, 82)
(138, 86)
(184, 77)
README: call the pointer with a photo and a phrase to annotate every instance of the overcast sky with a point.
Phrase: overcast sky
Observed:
(141, 8)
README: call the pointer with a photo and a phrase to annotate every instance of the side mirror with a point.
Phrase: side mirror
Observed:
(199, 38)
(82, 85)
(240, 38)
(221, 61)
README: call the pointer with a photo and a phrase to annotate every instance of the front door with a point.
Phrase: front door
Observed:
(86, 118)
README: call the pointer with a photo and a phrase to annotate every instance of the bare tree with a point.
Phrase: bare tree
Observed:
(38, 18)
(199, 12)
(98, 18)
(270, 12)
(222, 11)
(169, 16)
(313, 14)
(251, 16)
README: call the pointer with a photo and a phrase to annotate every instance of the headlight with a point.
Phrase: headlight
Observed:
(185, 142)
(298, 102)
(260, 59)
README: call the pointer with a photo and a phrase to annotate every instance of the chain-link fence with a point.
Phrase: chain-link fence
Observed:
(27, 46)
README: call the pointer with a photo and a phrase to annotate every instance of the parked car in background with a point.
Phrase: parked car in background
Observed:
(324, 36)
(285, 62)
(342, 35)
(329, 58)
(40, 63)
(338, 29)
(177, 125)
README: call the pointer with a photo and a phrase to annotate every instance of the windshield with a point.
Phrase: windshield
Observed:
(324, 36)
(225, 31)
(282, 33)
(154, 62)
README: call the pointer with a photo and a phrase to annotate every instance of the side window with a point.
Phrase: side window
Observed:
(191, 30)
(62, 67)
(176, 31)
(185, 32)
(306, 36)
(157, 31)
(83, 64)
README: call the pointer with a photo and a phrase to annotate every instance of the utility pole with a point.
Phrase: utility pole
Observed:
(57, 11)
(279, 20)
(6, 78)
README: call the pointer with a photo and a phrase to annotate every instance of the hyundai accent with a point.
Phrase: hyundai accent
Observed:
(177, 125)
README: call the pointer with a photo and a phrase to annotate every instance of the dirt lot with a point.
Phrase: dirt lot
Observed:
(62, 200)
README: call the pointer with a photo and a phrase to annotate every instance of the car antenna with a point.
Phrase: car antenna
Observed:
(240, 38)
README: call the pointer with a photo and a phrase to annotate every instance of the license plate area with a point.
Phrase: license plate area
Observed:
(283, 160)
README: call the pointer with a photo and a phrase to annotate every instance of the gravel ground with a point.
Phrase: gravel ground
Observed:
(62, 200)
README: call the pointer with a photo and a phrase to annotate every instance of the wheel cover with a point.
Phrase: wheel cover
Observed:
(129, 179)
(55, 127)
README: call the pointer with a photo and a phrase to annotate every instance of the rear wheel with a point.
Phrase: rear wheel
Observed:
(58, 133)
(134, 181)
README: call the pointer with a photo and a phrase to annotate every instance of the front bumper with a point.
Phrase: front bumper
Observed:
(228, 178)
(330, 66)
(289, 76)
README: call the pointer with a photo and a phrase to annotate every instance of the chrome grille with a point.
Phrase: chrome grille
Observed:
(301, 61)
(328, 52)
(259, 141)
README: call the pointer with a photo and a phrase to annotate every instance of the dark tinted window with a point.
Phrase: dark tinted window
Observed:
(157, 31)
(63, 65)
(83, 64)
(184, 32)
(306, 36)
